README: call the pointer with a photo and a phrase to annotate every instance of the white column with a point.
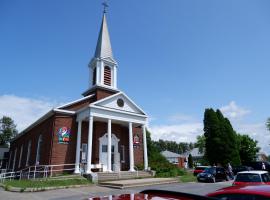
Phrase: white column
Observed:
(145, 156)
(102, 74)
(89, 150)
(115, 77)
(109, 160)
(131, 154)
(78, 148)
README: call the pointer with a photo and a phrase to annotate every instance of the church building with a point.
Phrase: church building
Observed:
(102, 131)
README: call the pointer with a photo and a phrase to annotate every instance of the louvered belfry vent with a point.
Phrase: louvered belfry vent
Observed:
(107, 76)
(94, 76)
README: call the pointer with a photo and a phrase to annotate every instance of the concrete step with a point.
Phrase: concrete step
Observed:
(105, 176)
(121, 184)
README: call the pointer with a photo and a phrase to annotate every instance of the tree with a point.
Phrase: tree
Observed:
(7, 130)
(268, 123)
(220, 139)
(190, 161)
(247, 148)
(200, 143)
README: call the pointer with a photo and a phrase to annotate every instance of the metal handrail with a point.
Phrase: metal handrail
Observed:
(137, 171)
(39, 170)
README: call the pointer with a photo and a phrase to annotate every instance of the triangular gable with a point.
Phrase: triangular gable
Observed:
(114, 102)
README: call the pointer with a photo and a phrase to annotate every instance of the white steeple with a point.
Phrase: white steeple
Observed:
(103, 67)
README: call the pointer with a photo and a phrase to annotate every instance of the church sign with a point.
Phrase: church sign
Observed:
(63, 134)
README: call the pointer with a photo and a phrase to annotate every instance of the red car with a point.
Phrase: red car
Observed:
(247, 192)
(252, 178)
(154, 195)
(199, 169)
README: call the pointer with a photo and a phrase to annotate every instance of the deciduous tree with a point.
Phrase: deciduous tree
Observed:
(7, 130)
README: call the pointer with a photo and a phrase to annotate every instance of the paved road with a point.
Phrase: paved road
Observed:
(85, 192)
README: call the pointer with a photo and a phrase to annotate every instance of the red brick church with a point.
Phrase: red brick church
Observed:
(104, 130)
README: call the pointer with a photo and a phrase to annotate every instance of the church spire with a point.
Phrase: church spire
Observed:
(103, 67)
(104, 48)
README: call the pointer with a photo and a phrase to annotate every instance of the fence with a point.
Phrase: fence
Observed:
(38, 171)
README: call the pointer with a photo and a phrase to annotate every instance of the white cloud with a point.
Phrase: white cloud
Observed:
(186, 132)
(233, 111)
(24, 111)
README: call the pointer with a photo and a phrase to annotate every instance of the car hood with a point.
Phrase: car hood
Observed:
(203, 174)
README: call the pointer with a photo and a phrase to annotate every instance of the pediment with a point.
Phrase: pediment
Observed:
(120, 102)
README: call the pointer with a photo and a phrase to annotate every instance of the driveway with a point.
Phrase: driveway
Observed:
(84, 193)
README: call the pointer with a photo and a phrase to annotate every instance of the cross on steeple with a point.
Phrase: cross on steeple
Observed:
(105, 6)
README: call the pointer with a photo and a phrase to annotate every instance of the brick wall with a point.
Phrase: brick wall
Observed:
(44, 129)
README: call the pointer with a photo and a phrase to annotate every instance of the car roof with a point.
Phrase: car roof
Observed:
(253, 172)
(246, 189)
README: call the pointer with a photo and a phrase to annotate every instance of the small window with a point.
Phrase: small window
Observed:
(104, 148)
(107, 76)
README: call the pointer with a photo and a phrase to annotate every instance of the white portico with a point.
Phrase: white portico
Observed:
(117, 108)
(112, 108)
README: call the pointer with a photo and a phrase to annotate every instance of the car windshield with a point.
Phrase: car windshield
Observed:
(248, 178)
(209, 170)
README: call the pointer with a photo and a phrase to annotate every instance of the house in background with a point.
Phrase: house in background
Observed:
(4, 152)
(176, 159)
(261, 156)
(196, 156)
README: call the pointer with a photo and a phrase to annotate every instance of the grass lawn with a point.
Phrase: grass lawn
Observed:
(188, 177)
(23, 184)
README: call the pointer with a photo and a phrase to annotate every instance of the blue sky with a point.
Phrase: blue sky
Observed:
(175, 58)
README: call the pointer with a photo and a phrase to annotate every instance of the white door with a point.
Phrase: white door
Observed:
(103, 152)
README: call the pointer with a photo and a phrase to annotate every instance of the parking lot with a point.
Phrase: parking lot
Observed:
(91, 191)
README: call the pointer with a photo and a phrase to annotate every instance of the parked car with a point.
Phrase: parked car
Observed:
(241, 168)
(213, 174)
(247, 192)
(252, 177)
(257, 165)
(199, 169)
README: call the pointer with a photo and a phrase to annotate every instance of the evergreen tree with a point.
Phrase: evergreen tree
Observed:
(220, 139)
(213, 140)
(190, 161)
(7, 130)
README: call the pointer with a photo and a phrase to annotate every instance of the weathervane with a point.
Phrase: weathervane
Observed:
(105, 6)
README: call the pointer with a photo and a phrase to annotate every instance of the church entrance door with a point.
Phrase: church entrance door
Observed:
(103, 153)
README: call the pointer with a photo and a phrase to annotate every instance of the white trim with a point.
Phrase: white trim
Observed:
(64, 111)
(103, 113)
(74, 102)
(117, 111)
(115, 95)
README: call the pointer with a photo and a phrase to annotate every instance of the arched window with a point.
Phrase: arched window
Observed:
(28, 153)
(107, 75)
(94, 76)
(39, 149)
(20, 158)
